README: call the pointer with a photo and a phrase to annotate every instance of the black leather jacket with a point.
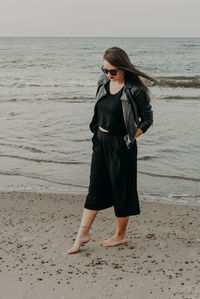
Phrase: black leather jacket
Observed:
(137, 111)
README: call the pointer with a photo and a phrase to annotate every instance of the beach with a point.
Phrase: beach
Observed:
(161, 258)
(48, 87)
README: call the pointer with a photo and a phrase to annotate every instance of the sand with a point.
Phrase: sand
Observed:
(160, 260)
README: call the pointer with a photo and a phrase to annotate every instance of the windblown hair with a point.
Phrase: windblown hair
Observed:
(119, 58)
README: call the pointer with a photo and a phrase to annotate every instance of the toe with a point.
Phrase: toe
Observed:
(72, 251)
(108, 243)
(105, 243)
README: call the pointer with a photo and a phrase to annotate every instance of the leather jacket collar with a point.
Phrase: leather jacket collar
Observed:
(103, 80)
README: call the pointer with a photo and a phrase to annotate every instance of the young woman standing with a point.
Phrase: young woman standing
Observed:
(122, 113)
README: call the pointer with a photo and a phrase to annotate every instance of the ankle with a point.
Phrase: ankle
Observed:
(120, 235)
(83, 230)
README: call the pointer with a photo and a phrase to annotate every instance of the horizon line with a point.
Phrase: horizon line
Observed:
(97, 36)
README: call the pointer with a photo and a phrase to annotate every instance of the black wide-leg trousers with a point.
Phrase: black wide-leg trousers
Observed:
(113, 175)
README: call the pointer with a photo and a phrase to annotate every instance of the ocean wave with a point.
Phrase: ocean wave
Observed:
(196, 77)
(188, 199)
(30, 148)
(70, 99)
(15, 173)
(44, 160)
(23, 85)
(177, 81)
(177, 97)
(170, 176)
(165, 81)
(190, 45)
(15, 82)
(83, 99)
(167, 197)
(177, 196)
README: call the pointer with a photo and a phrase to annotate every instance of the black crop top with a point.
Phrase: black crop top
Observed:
(109, 111)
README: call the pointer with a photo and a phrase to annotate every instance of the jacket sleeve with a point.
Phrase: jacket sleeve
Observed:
(94, 122)
(144, 109)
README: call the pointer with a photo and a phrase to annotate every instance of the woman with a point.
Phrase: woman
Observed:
(122, 98)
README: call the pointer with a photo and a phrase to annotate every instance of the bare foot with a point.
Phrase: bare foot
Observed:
(78, 242)
(113, 241)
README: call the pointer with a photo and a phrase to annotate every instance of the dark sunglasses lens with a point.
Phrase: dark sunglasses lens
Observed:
(113, 72)
(105, 70)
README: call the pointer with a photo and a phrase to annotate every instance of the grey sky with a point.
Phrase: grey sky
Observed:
(175, 18)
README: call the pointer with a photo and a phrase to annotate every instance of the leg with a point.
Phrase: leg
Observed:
(119, 237)
(99, 195)
(83, 233)
(121, 226)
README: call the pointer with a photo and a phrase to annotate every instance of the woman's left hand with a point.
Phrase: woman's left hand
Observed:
(138, 133)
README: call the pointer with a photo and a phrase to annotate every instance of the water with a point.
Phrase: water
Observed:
(47, 95)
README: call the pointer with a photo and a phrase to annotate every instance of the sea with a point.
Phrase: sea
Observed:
(47, 96)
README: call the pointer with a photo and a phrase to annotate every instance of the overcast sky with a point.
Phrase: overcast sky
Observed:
(139, 18)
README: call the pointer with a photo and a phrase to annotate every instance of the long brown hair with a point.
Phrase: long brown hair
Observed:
(119, 58)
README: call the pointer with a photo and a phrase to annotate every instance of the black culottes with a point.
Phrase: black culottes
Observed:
(113, 175)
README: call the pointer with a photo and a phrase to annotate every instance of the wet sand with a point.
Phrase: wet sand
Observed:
(160, 260)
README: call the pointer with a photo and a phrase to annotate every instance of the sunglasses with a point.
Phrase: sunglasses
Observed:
(112, 72)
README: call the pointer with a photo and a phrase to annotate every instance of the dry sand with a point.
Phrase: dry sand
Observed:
(160, 260)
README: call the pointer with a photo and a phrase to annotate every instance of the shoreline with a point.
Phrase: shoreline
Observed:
(160, 259)
(15, 183)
